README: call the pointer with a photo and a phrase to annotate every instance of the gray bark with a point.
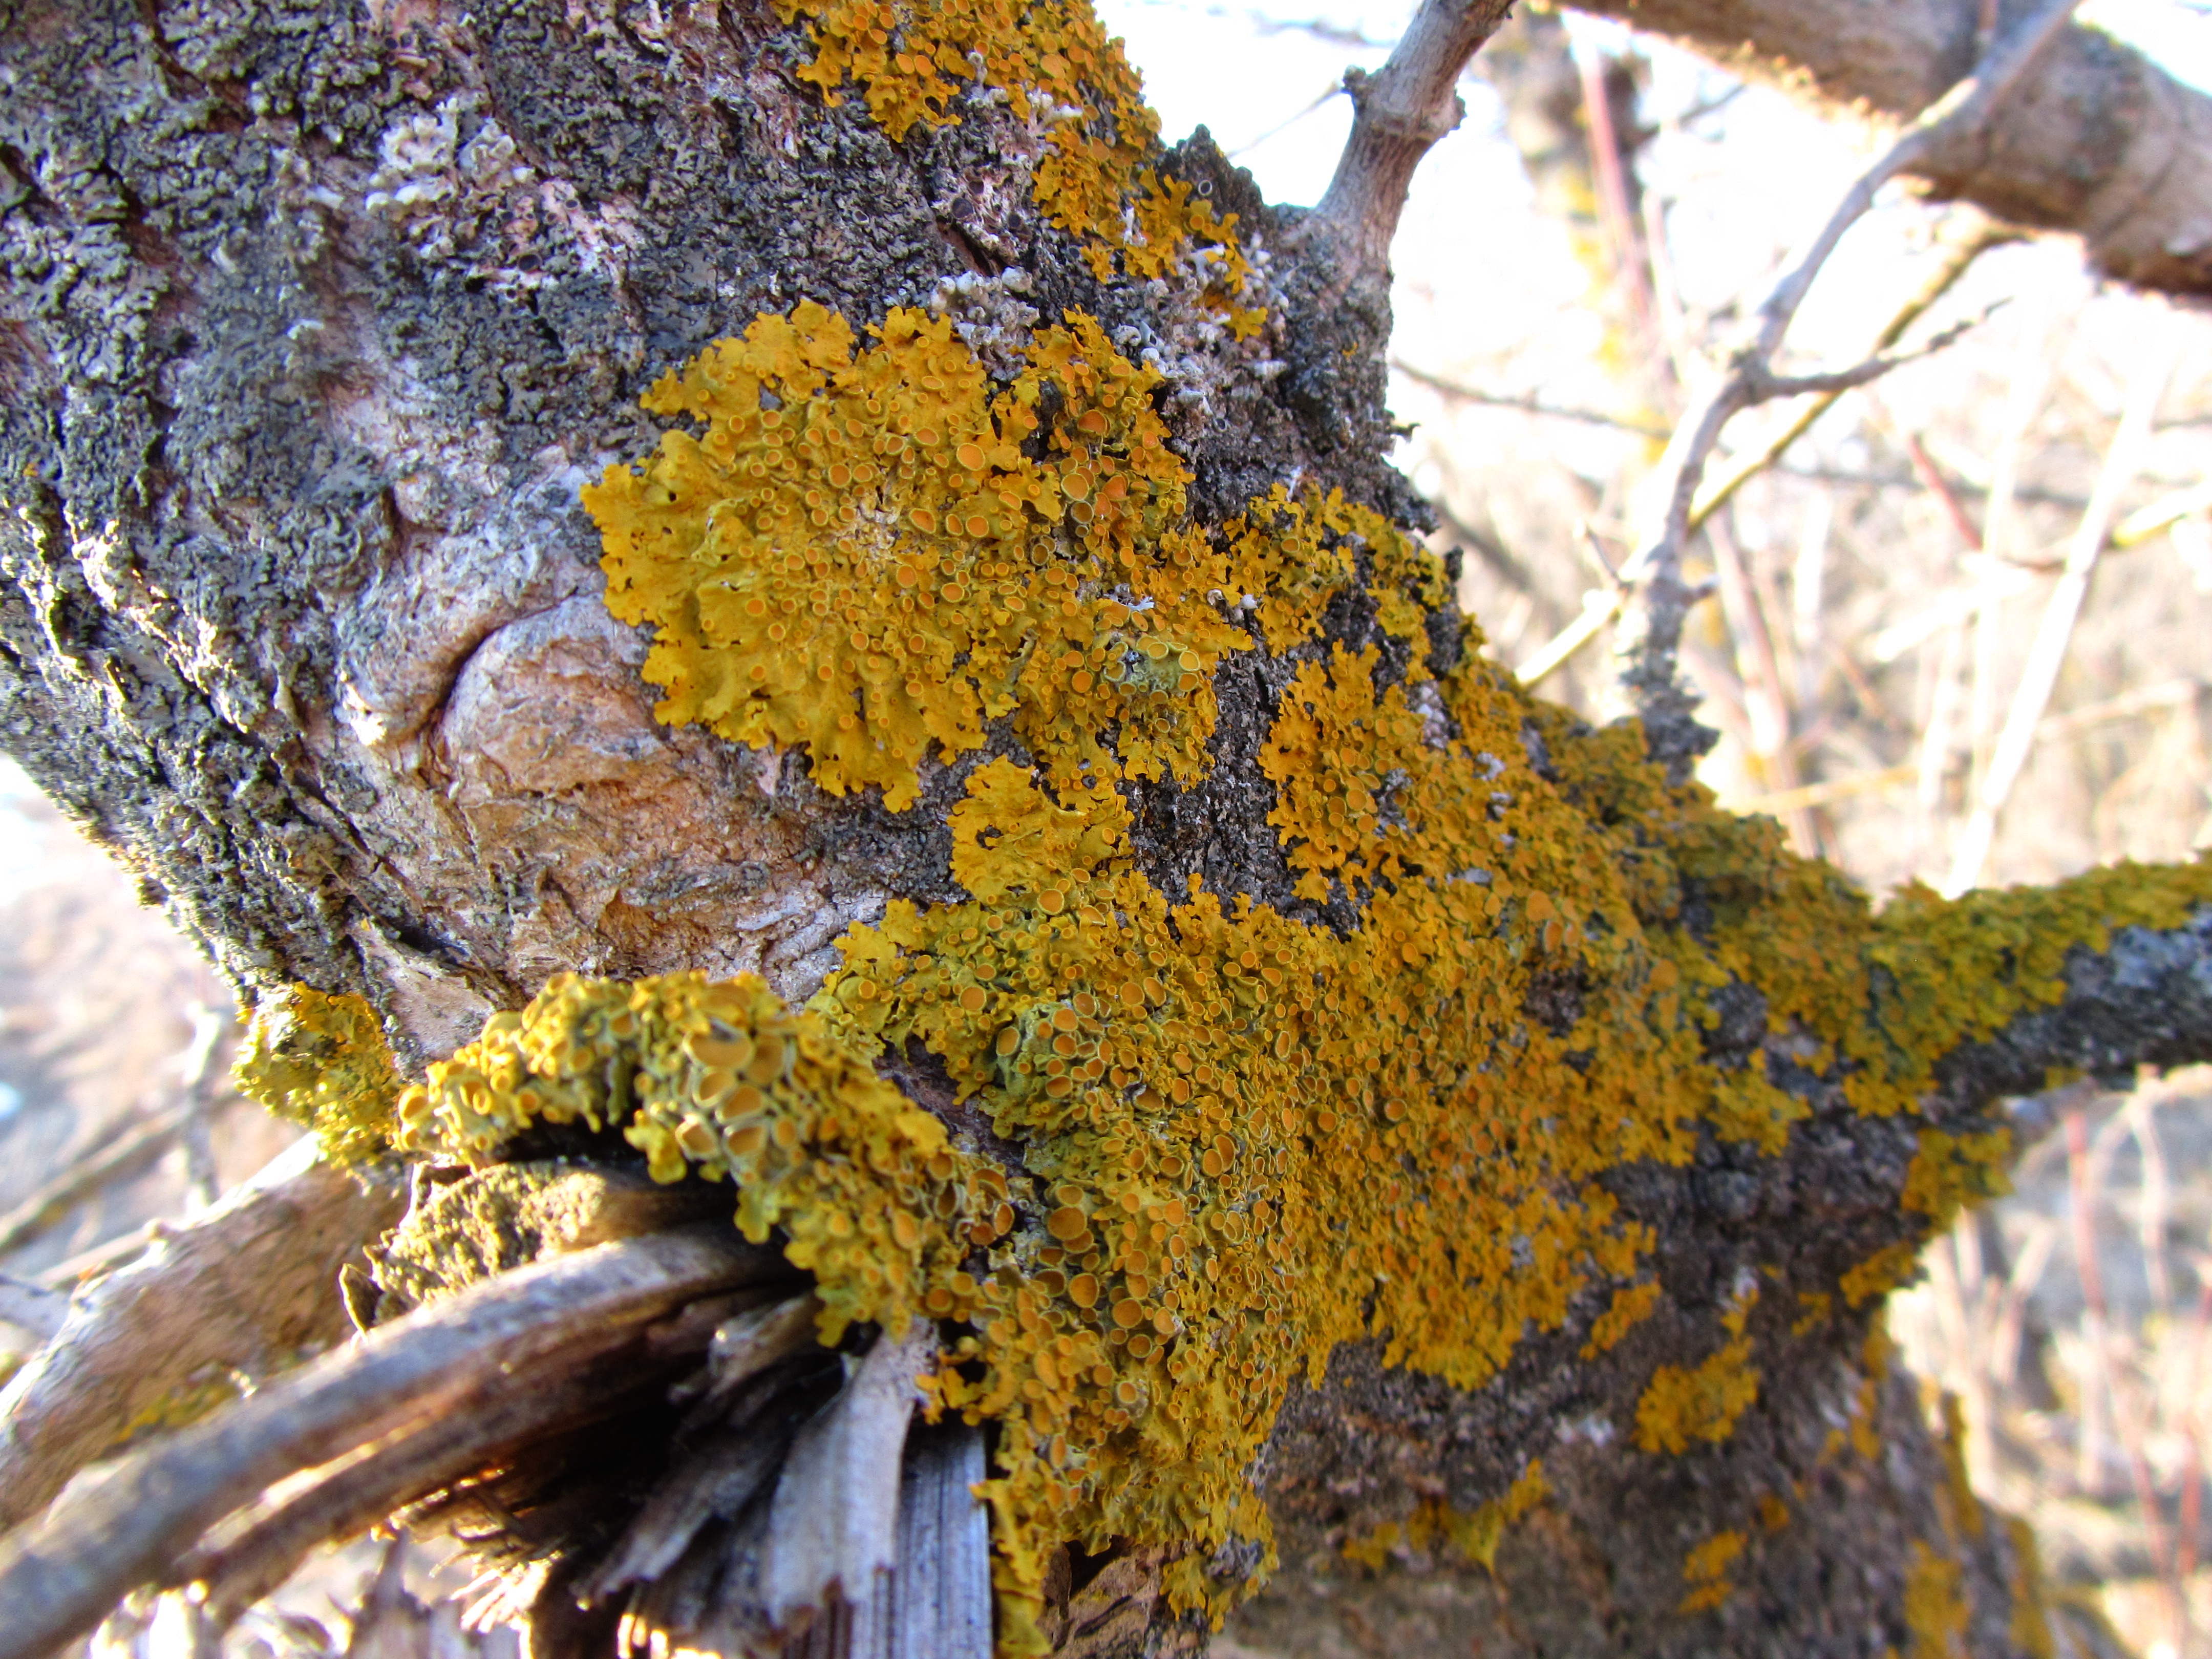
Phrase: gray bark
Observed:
(2099, 142)
(313, 319)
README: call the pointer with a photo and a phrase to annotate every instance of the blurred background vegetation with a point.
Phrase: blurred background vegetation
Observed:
(1567, 260)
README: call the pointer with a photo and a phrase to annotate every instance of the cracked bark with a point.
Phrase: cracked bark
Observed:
(299, 616)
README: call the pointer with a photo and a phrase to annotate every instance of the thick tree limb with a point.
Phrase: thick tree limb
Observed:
(62, 1574)
(244, 1288)
(2097, 140)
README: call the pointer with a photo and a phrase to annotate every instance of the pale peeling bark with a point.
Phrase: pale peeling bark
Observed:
(313, 318)
(2098, 141)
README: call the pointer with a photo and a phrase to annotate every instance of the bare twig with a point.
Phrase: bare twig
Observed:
(2163, 513)
(1528, 403)
(1807, 796)
(1941, 282)
(243, 1288)
(249, 1559)
(1601, 608)
(2049, 651)
(130, 1151)
(59, 1576)
(1399, 111)
(1647, 641)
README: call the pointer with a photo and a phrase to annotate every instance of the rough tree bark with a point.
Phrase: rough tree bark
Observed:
(317, 317)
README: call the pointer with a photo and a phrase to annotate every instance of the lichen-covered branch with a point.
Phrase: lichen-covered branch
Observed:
(781, 599)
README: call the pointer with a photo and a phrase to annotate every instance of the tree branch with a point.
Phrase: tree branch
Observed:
(548, 1320)
(243, 1288)
(1399, 112)
(1651, 624)
(2097, 140)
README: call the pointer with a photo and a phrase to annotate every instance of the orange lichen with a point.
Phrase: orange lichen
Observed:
(1706, 1572)
(1880, 1274)
(1058, 70)
(1702, 1403)
(1631, 1305)
(871, 552)
(1250, 1137)
(1950, 1172)
(1473, 1537)
(1936, 1606)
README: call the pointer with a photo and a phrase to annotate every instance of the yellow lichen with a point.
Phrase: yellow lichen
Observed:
(871, 552)
(1706, 1572)
(1935, 1608)
(1702, 1403)
(1773, 1513)
(1250, 1137)
(1880, 1274)
(1950, 1172)
(2031, 1613)
(1472, 1535)
(1963, 1509)
(724, 1078)
(1631, 1305)
(1098, 178)
(321, 1061)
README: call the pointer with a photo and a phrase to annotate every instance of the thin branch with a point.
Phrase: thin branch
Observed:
(1528, 403)
(59, 1576)
(1646, 643)
(2057, 631)
(127, 1153)
(1399, 112)
(1837, 381)
(1586, 626)
(242, 1288)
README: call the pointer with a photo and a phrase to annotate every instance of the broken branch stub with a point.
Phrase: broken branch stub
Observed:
(60, 1575)
(244, 1287)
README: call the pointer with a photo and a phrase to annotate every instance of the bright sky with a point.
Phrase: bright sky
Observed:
(1262, 77)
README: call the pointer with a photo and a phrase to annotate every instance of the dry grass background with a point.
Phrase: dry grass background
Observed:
(2068, 1321)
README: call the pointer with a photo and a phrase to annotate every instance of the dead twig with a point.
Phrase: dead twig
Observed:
(832, 1528)
(1528, 403)
(2056, 630)
(1646, 642)
(243, 1288)
(545, 1321)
